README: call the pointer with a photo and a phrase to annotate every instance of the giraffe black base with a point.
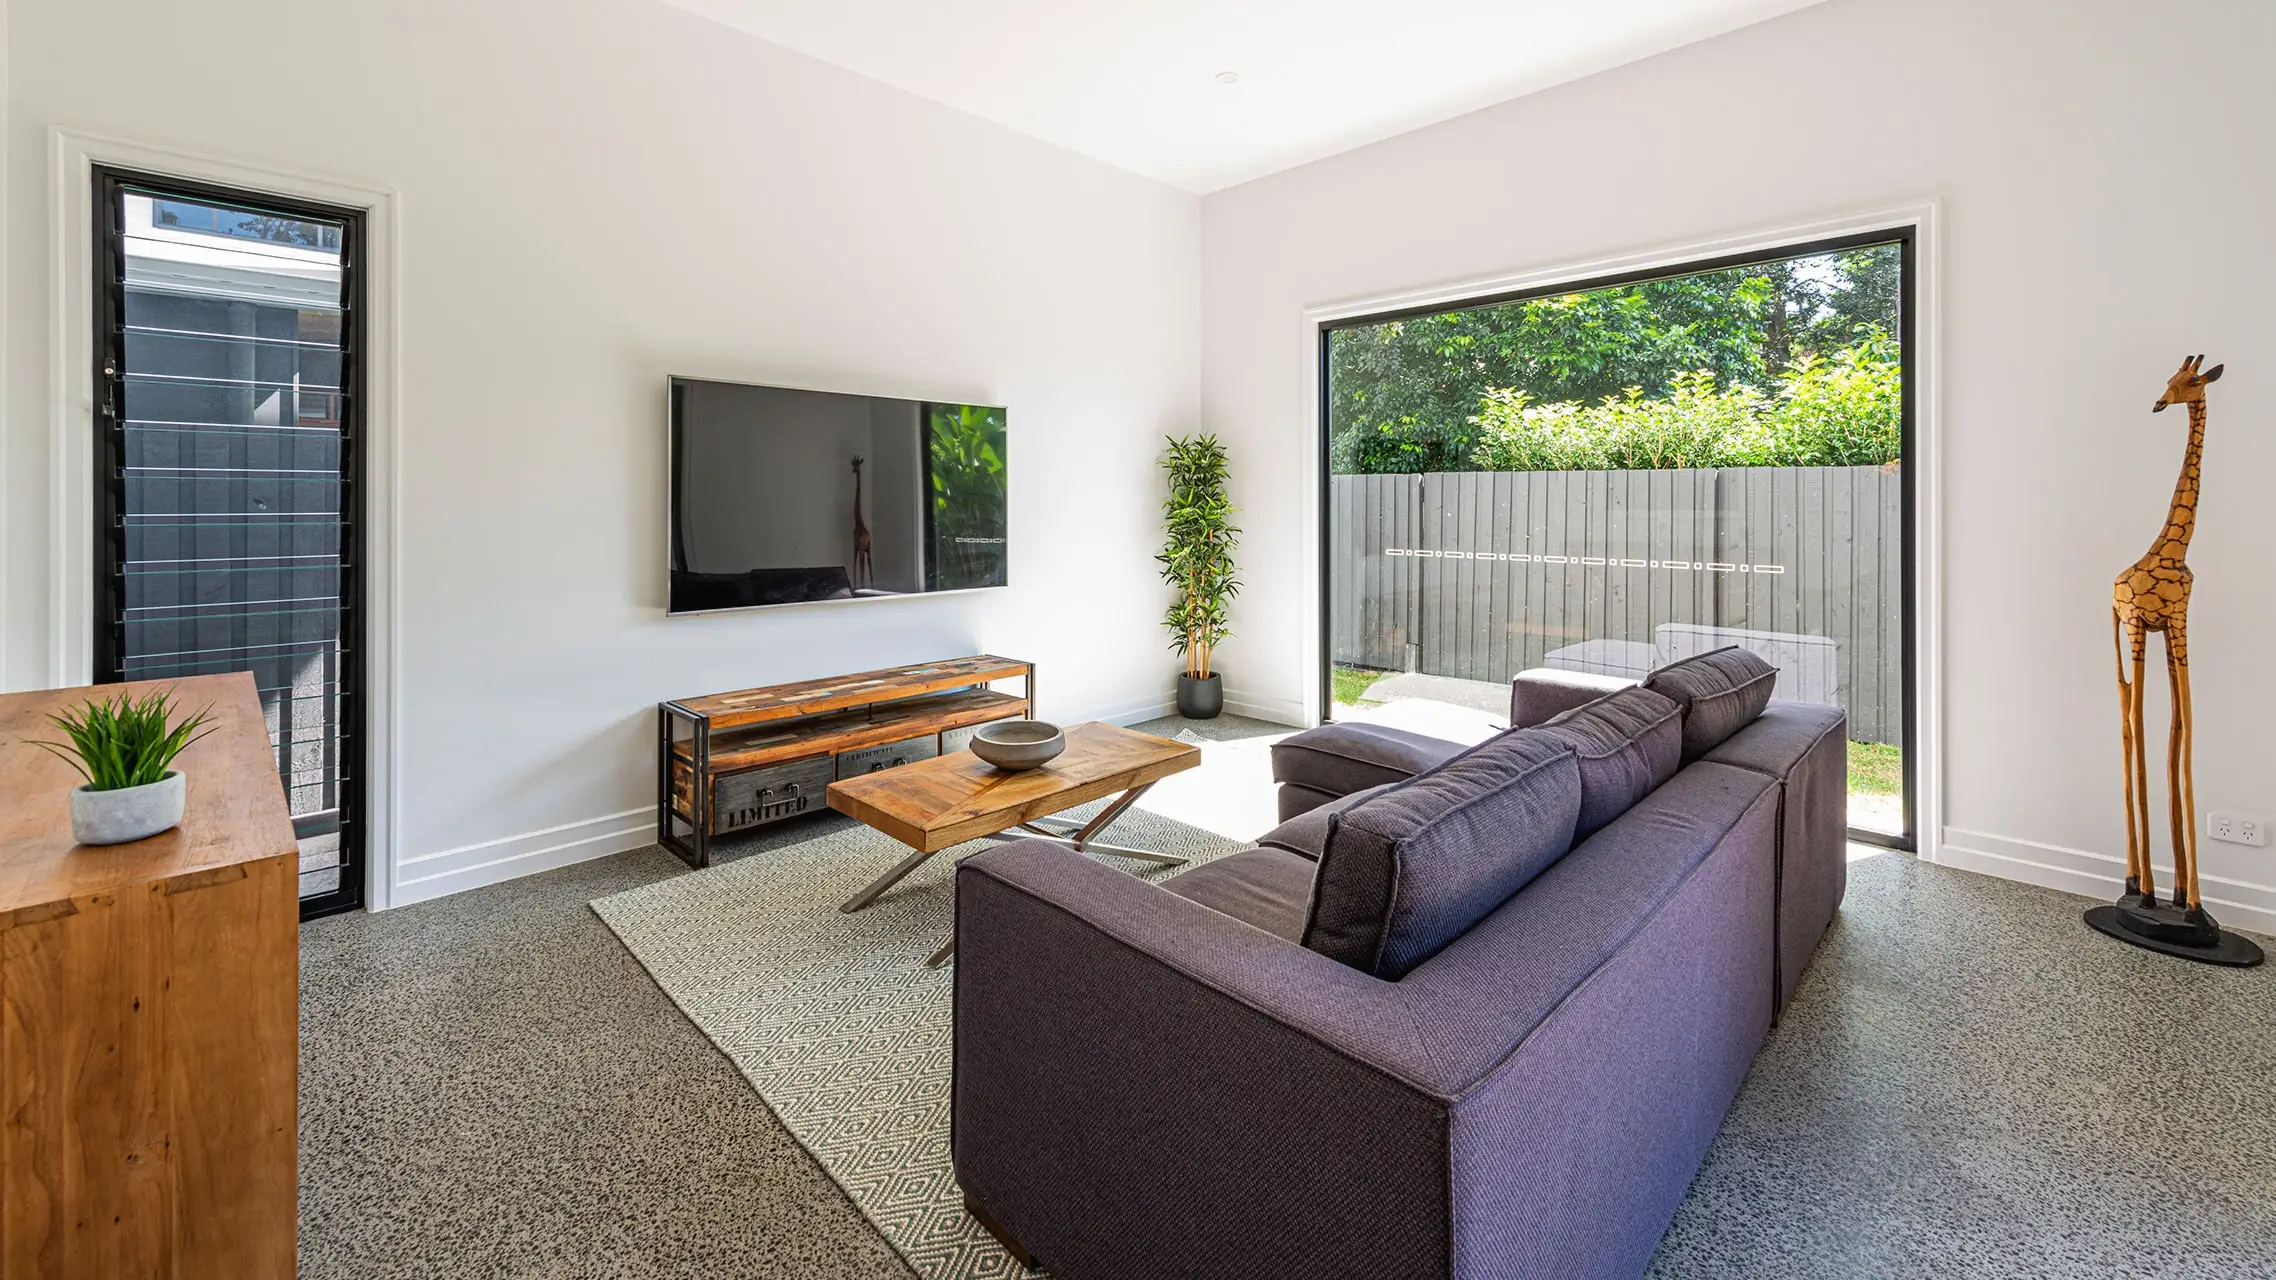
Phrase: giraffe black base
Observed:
(2191, 935)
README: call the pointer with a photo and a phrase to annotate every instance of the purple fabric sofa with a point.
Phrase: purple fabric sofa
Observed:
(1207, 1077)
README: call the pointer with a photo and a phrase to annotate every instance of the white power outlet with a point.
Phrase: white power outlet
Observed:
(2236, 830)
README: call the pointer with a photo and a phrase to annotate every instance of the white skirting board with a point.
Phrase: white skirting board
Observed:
(1135, 713)
(2099, 876)
(1269, 710)
(432, 875)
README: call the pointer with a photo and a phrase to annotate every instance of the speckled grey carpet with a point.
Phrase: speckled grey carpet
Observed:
(492, 1087)
(835, 1019)
(1971, 1083)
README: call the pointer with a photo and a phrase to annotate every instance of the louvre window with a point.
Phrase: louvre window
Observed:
(227, 443)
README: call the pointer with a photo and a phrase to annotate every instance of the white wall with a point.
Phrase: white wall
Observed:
(594, 194)
(2107, 206)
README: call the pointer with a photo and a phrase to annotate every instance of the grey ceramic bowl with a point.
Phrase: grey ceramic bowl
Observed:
(1019, 744)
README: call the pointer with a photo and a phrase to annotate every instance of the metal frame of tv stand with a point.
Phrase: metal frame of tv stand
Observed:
(697, 854)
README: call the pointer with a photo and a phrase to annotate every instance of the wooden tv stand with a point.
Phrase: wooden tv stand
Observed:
(730, 762)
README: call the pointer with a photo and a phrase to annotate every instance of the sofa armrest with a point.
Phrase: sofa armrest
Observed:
(1806, 748)
(1116, 1044)
(1541, 694)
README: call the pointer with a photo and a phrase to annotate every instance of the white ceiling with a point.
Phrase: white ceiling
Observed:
(1135, 82)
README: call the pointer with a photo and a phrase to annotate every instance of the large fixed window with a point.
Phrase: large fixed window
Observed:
(228, 446)
(1616, 474)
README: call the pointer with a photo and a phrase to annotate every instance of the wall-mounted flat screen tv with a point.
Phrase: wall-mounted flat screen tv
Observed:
(782, 496)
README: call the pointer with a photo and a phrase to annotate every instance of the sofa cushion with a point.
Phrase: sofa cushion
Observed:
(1306, 834)
(1338, 759)
(1264, 887)
(1721, 692)
(1541, 694)
(1627, 744)
(1487, 991)
(1406, 870)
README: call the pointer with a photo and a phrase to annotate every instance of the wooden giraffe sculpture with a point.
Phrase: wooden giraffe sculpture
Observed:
(2153, 595)
(861, 531)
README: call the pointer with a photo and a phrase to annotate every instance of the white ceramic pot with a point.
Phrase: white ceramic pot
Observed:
(130, 813)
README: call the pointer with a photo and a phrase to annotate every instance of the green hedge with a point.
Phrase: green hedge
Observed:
(1842, 411)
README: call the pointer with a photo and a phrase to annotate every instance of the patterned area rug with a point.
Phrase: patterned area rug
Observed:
(832, 1017)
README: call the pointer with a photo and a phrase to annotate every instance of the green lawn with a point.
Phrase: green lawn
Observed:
(1876, 769)
(1351, 682)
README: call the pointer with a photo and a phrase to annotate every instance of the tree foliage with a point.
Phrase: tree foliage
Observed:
(1404, 395)
(1197, 552)
(964, 452)
(1842, 411)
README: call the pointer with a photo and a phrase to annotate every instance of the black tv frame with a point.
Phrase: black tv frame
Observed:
(676, 552)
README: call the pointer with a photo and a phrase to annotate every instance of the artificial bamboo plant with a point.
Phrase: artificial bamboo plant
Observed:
(1197, 556)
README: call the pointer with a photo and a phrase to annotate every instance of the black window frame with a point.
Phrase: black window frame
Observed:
(1907, 237)
(108, 313)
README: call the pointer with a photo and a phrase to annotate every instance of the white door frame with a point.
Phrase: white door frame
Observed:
(1926, 366)
(73, 155)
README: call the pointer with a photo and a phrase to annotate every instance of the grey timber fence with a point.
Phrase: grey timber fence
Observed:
(1480, 575)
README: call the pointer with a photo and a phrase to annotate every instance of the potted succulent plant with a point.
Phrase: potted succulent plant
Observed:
(1197, 559)
(123, 746)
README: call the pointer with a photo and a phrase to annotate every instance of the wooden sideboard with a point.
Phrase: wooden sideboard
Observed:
(149, 1013)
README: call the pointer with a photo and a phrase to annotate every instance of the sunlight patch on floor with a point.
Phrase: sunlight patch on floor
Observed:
(1230, 794)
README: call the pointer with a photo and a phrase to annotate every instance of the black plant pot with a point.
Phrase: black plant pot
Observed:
(1201, 699)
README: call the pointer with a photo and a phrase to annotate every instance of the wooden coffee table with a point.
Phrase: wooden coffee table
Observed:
(931, 805)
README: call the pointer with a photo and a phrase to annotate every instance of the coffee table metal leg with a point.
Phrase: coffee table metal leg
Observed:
(1113, 850)
(1084, 839)
(941, 956)
(884, 882)
(1105, 817)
